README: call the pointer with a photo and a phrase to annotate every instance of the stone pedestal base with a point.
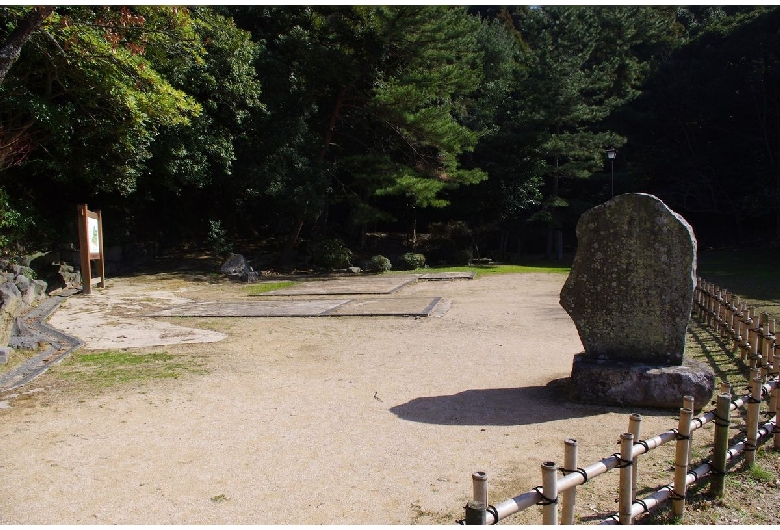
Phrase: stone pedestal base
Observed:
(640, 385)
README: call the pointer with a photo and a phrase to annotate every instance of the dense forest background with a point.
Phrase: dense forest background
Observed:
(483, 128)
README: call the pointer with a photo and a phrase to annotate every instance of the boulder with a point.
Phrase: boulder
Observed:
(630, 295)
(640, 385)
(11, 306)
(237, 269)
(5, 354)
(630, 290)
(235, 265)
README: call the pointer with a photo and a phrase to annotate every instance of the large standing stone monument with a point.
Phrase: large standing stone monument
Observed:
(630, 294)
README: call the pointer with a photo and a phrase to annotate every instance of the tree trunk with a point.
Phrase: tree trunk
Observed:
(551, 224)
(292, 240)
(12, 47)
(322, 220)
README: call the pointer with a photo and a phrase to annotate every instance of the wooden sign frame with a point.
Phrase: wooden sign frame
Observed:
(90, 225)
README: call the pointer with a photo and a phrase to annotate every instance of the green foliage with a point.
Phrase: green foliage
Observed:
(758, 473)
(450, 243)
(217, 239)
(308, 118)
(725, 110)
(411, 261)
(379, 263)
(462, 256)
(10, 221)
(332, 254)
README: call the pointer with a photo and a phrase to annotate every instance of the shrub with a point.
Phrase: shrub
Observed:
(462, 257)
(411, 261)
(379, 263)
(450, 243)
(332, 254)
(217, 239)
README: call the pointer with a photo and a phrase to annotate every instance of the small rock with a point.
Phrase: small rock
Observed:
(5, 353)
(354, 270)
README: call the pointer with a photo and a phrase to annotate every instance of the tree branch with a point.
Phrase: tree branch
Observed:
(10, 50)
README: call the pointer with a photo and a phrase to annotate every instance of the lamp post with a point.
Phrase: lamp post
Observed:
(611, 154)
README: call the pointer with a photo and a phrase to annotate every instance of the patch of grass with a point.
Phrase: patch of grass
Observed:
(112, 367)
(758, 473)
(751, 273)
(481, 270)
(260, 288)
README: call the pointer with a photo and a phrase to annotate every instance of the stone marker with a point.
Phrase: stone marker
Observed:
(236, 268)
(630, 295)
(234, 265)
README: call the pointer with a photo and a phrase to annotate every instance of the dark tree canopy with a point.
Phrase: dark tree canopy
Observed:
(295, 124)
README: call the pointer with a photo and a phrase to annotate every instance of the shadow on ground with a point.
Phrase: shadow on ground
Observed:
(505, 407)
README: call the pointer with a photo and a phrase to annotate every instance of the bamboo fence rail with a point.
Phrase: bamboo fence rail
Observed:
(753, 339)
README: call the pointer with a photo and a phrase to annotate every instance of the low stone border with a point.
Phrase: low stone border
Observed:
(60, 345)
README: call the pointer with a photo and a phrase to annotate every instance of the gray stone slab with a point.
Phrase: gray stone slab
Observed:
(265, 308)
(417, 306)
(434, 276)
(346, 286)
(406, 306)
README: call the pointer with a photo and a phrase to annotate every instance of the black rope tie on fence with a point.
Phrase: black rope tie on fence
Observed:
(678, 436)
(749, 447)
(676, 496)
(721, 421)
(643, 444)
(751, 399)
(493, 511)
(545, 500)
(579, 470)
(701, 422)
(714, 470)
(643, 504)
(622, 463)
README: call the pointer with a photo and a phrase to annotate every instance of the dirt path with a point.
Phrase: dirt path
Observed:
(332, 420)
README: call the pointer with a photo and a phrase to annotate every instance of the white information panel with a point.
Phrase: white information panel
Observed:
(93, 235)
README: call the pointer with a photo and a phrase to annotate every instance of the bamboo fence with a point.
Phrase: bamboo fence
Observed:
(753, 339)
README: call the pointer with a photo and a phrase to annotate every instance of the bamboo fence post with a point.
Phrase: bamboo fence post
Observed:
(732, 316)
(725, 387)
(480, 486)
(722, 420)
(712, 311)
(625, 499)
(776, 397)
(688, 403)
(753, 334)
(738, 315)
(753, 409)
(765, 345)
(634, 425)
(700, 298)
(745, 333)
(726, 328)
(681, 462)
(476, 513)
(569, 496)
(549, 494)
(770, 348)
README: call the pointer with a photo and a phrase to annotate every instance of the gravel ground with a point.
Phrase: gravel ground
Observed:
(326, 420)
